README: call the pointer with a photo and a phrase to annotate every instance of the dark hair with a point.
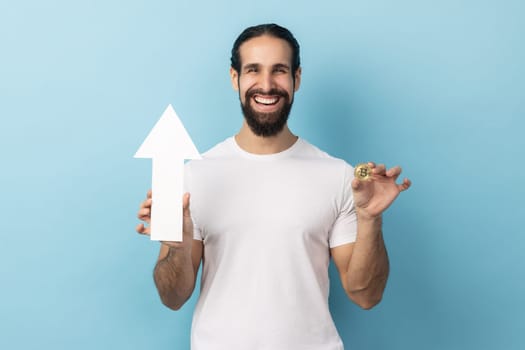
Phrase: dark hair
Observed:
(270, 29)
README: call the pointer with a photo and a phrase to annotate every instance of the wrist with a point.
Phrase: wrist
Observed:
(363, 216)
(178, 249)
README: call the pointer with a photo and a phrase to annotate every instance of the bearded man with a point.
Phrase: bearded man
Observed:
(268, 212)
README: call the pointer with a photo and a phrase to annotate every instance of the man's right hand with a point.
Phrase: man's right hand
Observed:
(144, 214)
(176, 269)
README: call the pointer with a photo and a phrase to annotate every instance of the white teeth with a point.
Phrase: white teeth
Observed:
(266, 101)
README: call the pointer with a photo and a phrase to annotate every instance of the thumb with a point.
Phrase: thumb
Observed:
(186, 205)
(356, 184)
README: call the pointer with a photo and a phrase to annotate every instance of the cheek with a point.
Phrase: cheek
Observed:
(243, 86)
(287, 84)
(242, 94)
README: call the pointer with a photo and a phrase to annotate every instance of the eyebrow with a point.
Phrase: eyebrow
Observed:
(251, 65)
(257, 65)
(281, 65)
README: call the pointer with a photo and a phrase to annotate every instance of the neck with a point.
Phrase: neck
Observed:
(252, 143)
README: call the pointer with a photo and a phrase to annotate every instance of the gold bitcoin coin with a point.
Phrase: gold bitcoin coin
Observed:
(363, 171)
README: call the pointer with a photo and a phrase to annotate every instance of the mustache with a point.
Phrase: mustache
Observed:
(273, 92)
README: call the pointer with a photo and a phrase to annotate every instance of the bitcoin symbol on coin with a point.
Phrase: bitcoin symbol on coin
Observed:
(363, 172)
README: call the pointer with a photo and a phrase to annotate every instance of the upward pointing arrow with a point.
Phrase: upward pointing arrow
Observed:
(168, 144)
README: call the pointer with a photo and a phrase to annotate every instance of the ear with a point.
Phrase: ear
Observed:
(234, 75)
(297, 79)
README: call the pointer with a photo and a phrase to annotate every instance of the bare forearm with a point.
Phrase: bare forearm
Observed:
(175, 278)
(368, 268)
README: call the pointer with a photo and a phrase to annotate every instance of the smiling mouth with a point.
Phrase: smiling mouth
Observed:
(266, 101)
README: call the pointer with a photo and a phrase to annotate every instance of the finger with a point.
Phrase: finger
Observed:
(143, 230)
(379, 170)
(186, 205)
(405, 185)
(394, 172)
(372, 165)
(149, 193)
(146, 203)
(144, 214)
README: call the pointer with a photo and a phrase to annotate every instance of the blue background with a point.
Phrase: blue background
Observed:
(435, 86)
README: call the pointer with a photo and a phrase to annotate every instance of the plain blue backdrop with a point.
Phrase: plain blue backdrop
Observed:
(435, 86)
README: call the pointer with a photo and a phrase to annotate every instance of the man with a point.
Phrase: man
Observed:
(268, 210)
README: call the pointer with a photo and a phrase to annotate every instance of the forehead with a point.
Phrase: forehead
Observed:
(266, 50)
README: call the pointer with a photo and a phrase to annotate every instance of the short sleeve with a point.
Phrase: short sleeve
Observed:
(344, 229)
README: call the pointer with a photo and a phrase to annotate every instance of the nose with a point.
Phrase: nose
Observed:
(266, 81)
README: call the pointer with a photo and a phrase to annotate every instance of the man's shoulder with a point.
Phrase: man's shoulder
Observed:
(215, 159)
(220, 150)
(312, 152)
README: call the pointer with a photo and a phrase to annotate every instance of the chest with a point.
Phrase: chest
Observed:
(293, 201)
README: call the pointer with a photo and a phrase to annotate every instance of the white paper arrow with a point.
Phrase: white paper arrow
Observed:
(168, 144)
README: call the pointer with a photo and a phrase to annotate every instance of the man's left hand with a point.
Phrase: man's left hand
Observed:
(373, 196)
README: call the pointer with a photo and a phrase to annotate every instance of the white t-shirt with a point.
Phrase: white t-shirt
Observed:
(267, 223)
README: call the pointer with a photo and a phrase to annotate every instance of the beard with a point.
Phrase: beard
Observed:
(266, 124)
